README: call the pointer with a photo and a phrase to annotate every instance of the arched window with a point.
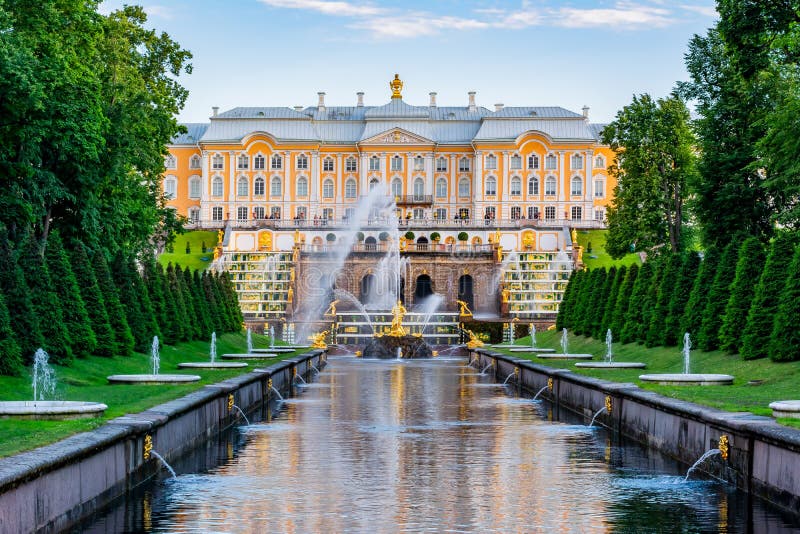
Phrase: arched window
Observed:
(327, 165)
(419, 187)
(259, 186)
(533, 185)
(374, 163)
(350, 165)
(516, 185)
(195, 187)
(577, 161)
(242, 162)
(600, 161)
(350, 188)
(463, 164)
(397, 163)
(491, 162)
(276, 162)
(491, 186)
(441, 188)
(551, 162)
(373, 184)
(302, 186)
(599, 188)
(170, 162)
(195, 162)
(170, 187)
(533, 161)
(217, 162)
(463, 187)
(577, 186)
(258, 162)
(327, 188)
(242, 187)
(419, 163)
(441, 164)
(216, 186)
(275, 187)
(550, 186)
(302, 162)
(515, 162)
(397, 187)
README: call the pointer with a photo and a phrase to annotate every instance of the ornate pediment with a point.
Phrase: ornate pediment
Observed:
(396, 136)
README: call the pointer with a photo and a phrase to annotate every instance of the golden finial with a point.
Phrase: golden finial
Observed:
(396, 86)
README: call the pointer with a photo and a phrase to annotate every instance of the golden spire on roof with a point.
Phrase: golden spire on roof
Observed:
(396, 85)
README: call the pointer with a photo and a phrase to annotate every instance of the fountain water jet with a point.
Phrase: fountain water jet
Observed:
(213, 364)
(608, 362)
(246, 420)
(706, 455)
(687, 378)
(539, 393)
(601, 410)
(164, 463)
(154, 378)
(565, 354)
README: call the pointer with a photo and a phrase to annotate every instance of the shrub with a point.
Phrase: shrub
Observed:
(623, 300)
(409, 236)
(663, 296)
(714, 314)
(188, 248)
(436, 236)
(462, 236)
(748, 270)
(359, 236)
(330, 238)
(383, 236)
(680, 296)
(589, 247)
(692, 319)
(633, 315)
(785, 342)
(203, 247)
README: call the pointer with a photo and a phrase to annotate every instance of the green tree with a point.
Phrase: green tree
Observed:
(784, 343)
(10, 354)
(690, 264)
(200, 302)
(654, 163)
(76, 318)
(93, 301)
(634, 316)
(764, 308)
(597, 327)
(181, 328)
(748, 269)
(611, 303)
(656, 329)
(650, 298)
(214, 307)
(232, 301)
(591, 301)
(563, 319)
(714, 312)
(151, 275)
(57, 341)
(692, 319)
(12, 283)
(623, 300)
(192, 325)
(117, 317)
(172, 329)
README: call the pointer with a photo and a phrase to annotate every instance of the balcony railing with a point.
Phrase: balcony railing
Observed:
(425, 248)
(405, 200)
(406, 224)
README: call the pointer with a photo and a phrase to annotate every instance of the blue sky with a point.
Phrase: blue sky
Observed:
(530, 52)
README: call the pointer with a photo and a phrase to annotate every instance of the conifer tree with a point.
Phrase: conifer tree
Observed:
(748, 269)
(201, 314)
(10, 354)
(181, 329)
(56, 338)
(25, 323)
(564, 308)
(692, 319)
(598, 311)
(650, 299)
(714, 313)
(761, 317)
(591, 302)
(117, 317)
(146, 305)
(611, 303)
(634, 314)
(192, 327)
(233, 302)
(224, 303)
(578, 308)
(215, 311)
(666, 287)
(677, 304)
(76, 317)
(93, 301)
(784, 343)
(130, 298)
(155, 291)
(623, 300)
(172, 329)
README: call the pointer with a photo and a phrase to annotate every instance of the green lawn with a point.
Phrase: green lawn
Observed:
(196, 259)
(598, 257)
(779, 379)
(85, 380)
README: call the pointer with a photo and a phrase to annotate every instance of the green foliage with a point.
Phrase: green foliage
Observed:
(214, 307)
(10, 354)
(179, 329)
(589, 247)
(462, 236)
(383, 236)
(623, 300)
(46, 304)
(76, 318)
(93, 300)
(409, 236)
(597, 328)
(435, 236)
(192, 326)
(761, 316)
(650, 299)
(748, 270)
(173, 326)
(714, 312)
(359, 236)
(589, 302)
(634, 316)
(784, 345)
(195, 260)
(116, 313)
(611, 302)
(200, 304)
(655, 161)
(679, 299)
(692, 319)
(12, 283)
(565, 309)
(188, 248)
(656, 331)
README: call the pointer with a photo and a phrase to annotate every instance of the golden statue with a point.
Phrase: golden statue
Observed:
(296, 254)
(291, 274)
(402, 243)
(220, 235)
(265, 241)
(464, 311)
(497, 236)
(506, 294)
(318, 340)
(528, 239)
(297, 237)
(473, 342)
(396, 86)
(398, 312)
(331, 309)
(290, 296)
(574, 235)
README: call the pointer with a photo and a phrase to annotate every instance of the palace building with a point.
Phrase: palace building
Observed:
(281, 181)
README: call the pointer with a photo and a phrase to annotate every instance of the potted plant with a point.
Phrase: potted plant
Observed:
(330, 238)
(409, 236)
(383, 236)
(436, 237)
(462, 237)
(359, 236)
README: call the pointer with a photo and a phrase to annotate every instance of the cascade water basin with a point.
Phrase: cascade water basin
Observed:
(787, 408)
(211, 365)
(611, 365)
(152, 379)
(51, 409)
(250, 356)
(688, 379)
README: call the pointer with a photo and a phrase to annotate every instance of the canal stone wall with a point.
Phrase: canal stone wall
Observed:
(763, 456)
(52, 488)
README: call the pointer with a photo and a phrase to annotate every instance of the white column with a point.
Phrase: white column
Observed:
(231, 184)
(315, 192)
(561, 183)
(453, 180)
(588, 192)
(205, 190)
(506, 182)
(385, 162)
(477, 184)
(338, 190)
(429, 177)
(362, 172)
(287, 193)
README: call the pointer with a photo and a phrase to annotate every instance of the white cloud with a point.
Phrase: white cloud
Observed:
(328, 7)
(622, 16)
(707, 11)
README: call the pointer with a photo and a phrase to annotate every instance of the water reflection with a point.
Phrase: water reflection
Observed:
(414, 446)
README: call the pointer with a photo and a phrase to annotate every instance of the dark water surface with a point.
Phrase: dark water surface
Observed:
(428, 446)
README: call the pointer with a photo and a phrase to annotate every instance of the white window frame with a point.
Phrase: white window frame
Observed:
(259, 162)
(351, 164)
(374, 163)
(259, 212)
(441, 164)
(350, 188)
(533, 162)
(217, 162)
(273, 190)
(194, 214)
(195, 162)
(242, 191)
(217, 187)
(576, 161)
(576, 186)
(170, 162)
(441, 188)
(242, 162)
(397, 187)
(490, 191)
(491, 162)
(549, 213)
(301, 162)
(259, 183)
(301, 187)
(515, 162)
(600, 161)
(550, 162)
(276, 162)
(515, 191)
(170, 187)
(195, 187)
(328, 165)
(397, 163)
(576, 213)
(464, 164)
(216, 213)
(548, 190)
(241, 213)
(533, 186)
(599, 188)
(419, 188)
(328, 189)
(419, 163)
(464, 187)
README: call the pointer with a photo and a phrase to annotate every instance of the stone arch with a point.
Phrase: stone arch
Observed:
(466, 290)
(423, 289)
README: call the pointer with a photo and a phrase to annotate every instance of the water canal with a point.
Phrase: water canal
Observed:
(428, 446)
